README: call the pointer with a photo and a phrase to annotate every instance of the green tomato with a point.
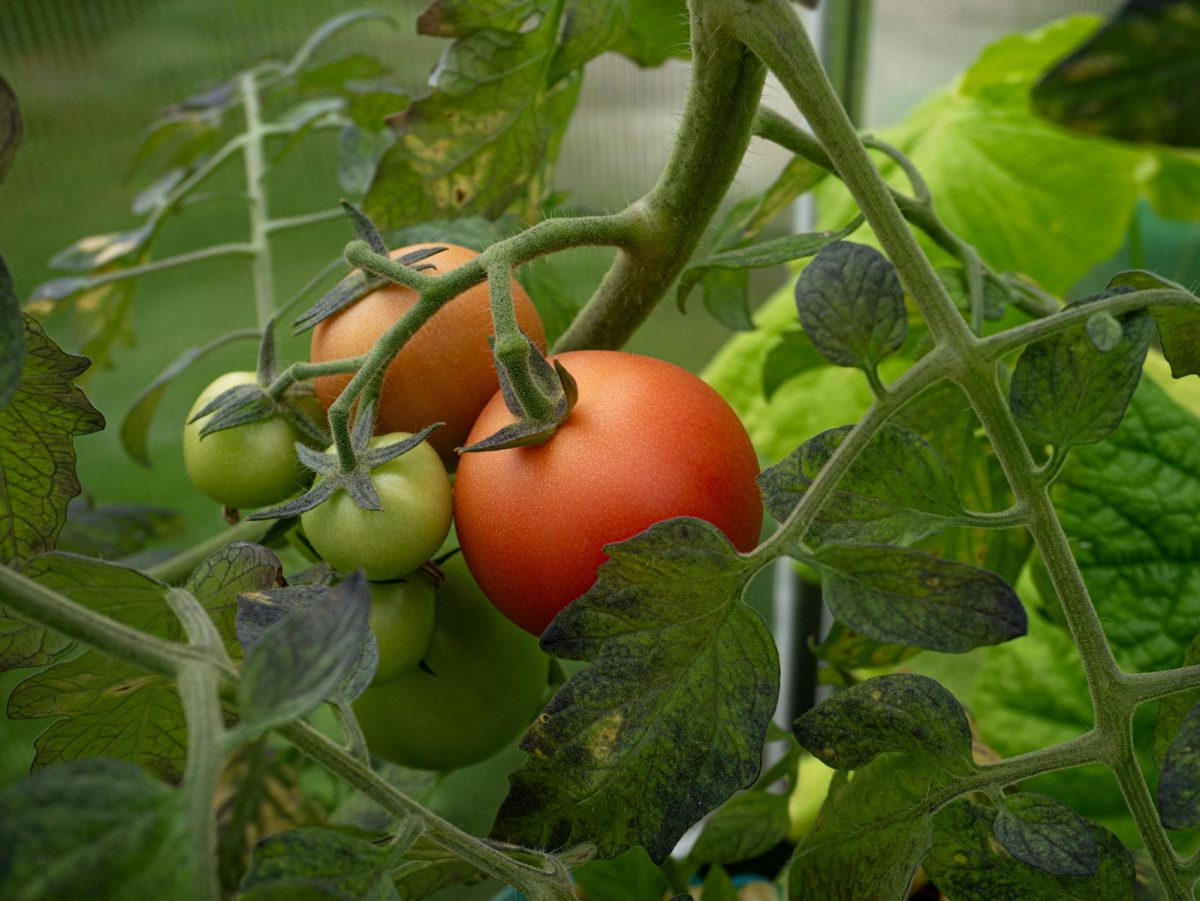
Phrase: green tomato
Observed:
(415, 493)
(402, 618)
(485, 681)
(251, 465)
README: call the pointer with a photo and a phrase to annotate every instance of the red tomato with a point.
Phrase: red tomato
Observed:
(444, 373)
(646, 441)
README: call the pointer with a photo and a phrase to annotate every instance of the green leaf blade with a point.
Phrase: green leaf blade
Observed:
(669, 718)
(1179, 782)
(1045, 833)
(744, 827)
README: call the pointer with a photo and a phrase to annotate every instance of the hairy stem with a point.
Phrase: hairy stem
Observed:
(255, 166)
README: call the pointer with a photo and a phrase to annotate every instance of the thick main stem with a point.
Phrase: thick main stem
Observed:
(260, 240)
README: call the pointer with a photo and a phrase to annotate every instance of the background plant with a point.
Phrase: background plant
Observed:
(896, 513)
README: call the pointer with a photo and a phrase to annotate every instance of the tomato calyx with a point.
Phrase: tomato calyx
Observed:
(355, 481)
(538, 392)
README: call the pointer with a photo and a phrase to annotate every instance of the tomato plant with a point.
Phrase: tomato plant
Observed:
(249, 465)
(414, 493)
(480, 685)
(445, 372)
(645, 441)
(402, 621)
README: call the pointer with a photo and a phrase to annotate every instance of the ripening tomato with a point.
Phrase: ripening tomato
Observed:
(646, 441)
(444, 373)
(481, 685)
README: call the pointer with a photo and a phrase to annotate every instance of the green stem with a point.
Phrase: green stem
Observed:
(305, 219)
(179, 567)
(255, 167)
(713, 134)
(183, 259)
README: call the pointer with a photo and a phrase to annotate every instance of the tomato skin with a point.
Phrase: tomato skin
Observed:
(403, 612)
(444, 373)
(415, 493)
(251, 465)
(488, 679)
(646, 441)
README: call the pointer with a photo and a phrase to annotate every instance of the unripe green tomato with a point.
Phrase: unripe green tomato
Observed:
(808, 794)
(415, 493)
(402, 619)
(251, 465)
(485, 682)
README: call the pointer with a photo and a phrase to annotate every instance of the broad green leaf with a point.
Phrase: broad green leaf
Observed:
(1179, 782)
(669, 717)
(657, 32)
(791, 355)
(112, 531)
(455, 18)
(974, 141)
(744, 827)
(902, 712)
(1066, 392)
(339, 864)
(1137, 540)
(1134, 79)
(39, 467)
(899, 595)
(851, 305)
(110, 708)
(1174, 187)
(1178, 327)
(897, 491)
(428, 868)
(475, 143)
(1174, 708)
(236, 569)
(93, 829)
(589, 28)
(1045, 833)
(631, 875)
(966, 862)
(304, 656)
(871, 834)
(12, 326)
(11, 127)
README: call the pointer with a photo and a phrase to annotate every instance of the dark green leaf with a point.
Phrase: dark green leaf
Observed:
(303, 658)
(1174, 708)
(657, 32)
(112, 531)
(899, 712)
(788, 357)
(1179, 783)
(851, 305)
(718, 886)
(236, 569)
(669, 718)
(995, 295)
(493, 103)
(93, 829)
(871, 834)
(1178, 327)
(340, 865)
(744, 827)
(39, 466)
(1137, 541)
(12, 328)
(358, 152)
(11, 127)
(1133, 79)
(428, 868)
(899, 595)
(1047, 834)
(135, 426)
(1066, 393)
(898, 490)
(631, 875)
(967, 862)
(589, 28)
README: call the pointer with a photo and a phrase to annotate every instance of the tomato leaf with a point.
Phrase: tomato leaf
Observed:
(303, 646)
(896, 594)
(631, 875)
(744, 827)
(668, 719)
(897, 491)
(1174, 708)
(871, 833)
(342, 865)
(12, 334)
(1067, 392)
(966, 862)
(996, 296)
(221, 578)
(39, 469)
(113, 531)
(656, 32)
(11, 127)
(851, 305)
(1179, 782)
(1178, 327)
(898, 712)
(791, 355)
(846, 649)
(1045, 833)
(1133, 79)
(93, 829)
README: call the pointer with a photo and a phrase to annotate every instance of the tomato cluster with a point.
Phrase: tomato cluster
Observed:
(645, 441)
